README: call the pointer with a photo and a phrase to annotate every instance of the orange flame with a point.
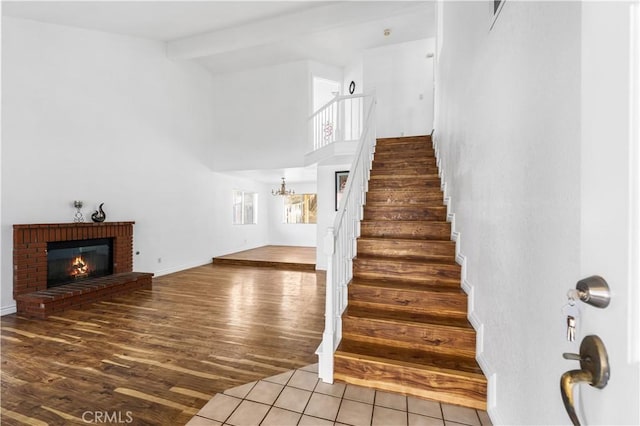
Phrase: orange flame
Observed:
(79, 266)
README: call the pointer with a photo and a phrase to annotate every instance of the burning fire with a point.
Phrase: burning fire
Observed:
(79, 268)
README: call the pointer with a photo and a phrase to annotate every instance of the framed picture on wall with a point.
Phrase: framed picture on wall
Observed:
(341, 183)
(497, 7)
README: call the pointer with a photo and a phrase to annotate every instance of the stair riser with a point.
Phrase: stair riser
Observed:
(409, 156)
(426, 172)
(404, 204)
(411, 272)
(426, 230)
(390, 299)
(426, 139)
(429, 192)
(428, 337)
(438, 213)
(413, 249)
(434, 385)
(416, 143)
(399, 164)
(405, 197)
(405, 151)
(404, 183)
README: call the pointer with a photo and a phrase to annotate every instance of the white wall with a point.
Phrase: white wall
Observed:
(354, 72)
(105, 118)
(402, 77)
(508, 132)
(226, 237)
(292, 234)
(260, 117)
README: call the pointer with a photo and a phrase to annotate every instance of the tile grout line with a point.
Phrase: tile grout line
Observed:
(276, 398)
(242, 399)
(308, 401)
(342, 397)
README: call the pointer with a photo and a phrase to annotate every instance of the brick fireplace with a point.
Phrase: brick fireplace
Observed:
(30, 267)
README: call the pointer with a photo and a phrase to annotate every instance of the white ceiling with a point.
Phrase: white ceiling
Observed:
(156, 20)
(334, 46)
(273, 176)
(227, 36)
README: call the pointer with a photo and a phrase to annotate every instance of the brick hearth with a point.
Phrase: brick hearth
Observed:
(30, 267)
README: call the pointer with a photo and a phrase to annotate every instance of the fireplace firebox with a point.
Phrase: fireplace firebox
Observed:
(73, 261)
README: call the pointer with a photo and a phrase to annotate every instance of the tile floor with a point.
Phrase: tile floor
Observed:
(298, 397)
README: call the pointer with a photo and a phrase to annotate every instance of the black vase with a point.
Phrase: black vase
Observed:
(99, 215)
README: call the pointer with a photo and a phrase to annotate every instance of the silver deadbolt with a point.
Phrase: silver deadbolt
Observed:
(594, 291)
(594, 369)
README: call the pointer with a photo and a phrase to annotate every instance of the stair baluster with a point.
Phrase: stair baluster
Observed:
(340, 242)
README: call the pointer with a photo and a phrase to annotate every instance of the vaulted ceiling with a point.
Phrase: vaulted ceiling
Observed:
(228, 36)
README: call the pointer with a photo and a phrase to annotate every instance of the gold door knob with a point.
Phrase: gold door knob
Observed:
(594, 369)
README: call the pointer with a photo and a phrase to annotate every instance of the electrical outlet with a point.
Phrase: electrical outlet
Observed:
(159, 260)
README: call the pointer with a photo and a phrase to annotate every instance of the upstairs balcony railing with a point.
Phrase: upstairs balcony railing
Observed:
(341, 119)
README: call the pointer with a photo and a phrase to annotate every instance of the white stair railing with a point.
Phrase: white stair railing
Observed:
(340, 243)
(341, 119)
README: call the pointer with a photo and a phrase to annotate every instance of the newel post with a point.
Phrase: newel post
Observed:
(325, 358)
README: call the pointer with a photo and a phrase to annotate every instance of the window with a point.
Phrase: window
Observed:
(245, 208)
(302, 208)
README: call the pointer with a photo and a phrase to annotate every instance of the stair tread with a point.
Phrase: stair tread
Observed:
(407, 317)
(425, 229)
(412, 222)
(406, 152)
(454, 365)
(410, 162)
(414, 206)
(404, 285)
(409, 248)
(408, 240)
(369, 257)
(403, 138)
(412, 176)
(406, 189)
(403, 205)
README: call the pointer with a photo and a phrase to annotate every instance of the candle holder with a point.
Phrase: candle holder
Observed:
(78, 217)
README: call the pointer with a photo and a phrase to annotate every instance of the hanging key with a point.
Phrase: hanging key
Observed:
(571, 313)
(571, 329)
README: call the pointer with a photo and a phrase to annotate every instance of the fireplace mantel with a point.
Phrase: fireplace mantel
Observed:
(70, 225)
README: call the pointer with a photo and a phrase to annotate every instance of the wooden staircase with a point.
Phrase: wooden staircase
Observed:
(405, 328)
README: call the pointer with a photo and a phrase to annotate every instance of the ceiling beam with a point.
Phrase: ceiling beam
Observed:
(321, 18)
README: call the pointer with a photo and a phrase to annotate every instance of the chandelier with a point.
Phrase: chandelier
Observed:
(283, 190)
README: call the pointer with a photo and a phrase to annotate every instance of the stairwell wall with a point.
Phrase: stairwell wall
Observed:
(401, 75)
(507, 130)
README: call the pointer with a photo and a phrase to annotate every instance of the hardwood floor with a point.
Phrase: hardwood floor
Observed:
(159, 355)
(278, 257)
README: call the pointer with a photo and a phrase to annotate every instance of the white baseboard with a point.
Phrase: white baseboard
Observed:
(468, 287)
(7, 310)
